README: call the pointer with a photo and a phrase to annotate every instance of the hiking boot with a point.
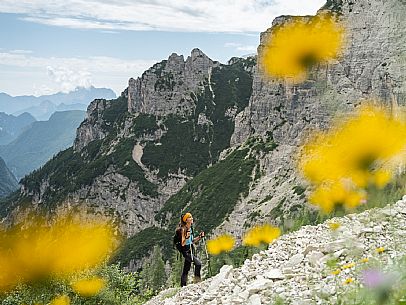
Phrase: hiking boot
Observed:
(197, 279)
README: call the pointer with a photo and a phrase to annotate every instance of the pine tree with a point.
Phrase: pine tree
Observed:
(153, 271)
(176, 270)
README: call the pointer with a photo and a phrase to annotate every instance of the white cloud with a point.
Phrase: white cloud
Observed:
(69, 79)
(21, 51)
(240, 47)
(66, 73)
(248, 48)
(42, 90)
(175, 15)
(232, 44)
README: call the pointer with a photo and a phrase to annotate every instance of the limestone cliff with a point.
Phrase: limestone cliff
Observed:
(165, 88)
(372, 67)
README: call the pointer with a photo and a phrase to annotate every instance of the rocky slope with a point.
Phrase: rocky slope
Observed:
(295, 267)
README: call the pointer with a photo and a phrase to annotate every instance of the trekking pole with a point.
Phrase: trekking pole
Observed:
(207, 255)
(191, 249)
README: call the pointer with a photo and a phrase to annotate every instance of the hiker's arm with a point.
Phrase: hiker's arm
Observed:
(185, 236)
(196, 239)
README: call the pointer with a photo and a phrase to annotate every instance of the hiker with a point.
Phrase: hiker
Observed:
(185, 230)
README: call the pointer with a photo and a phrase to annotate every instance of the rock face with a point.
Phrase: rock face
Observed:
(294, 267)
(372, 67)
(165, 88)
(91, 128)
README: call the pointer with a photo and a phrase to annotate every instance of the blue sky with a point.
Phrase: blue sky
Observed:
(50, 46)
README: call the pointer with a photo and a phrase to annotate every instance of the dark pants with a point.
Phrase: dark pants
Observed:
(188, 263)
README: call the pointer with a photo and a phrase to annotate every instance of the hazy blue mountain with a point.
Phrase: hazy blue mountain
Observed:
(43, 139)
(8, 182)
(11, 126)
(42, 112)
(43, 106)
(65, 107)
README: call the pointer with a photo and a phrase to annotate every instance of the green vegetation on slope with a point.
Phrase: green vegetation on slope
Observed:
(213, 193)
(40, 141)
(211, 196)
(142, 244)
(190, 146)
(69, 171)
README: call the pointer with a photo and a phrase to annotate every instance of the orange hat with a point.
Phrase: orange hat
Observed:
(186, 216)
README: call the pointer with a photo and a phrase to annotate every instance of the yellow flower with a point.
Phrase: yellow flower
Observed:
(299, 44)
(61, 300)
(358, 152)
(348, 266)
(365, 260)
(336, 272)
(348, 281)
(334, 225)
(329, 197)
(380, 250)
(37, 250)
(89, 287)
(261, 234)
(381, 178)
(223, 243)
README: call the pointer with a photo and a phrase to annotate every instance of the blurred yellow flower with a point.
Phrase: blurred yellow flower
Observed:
(61, 300)
(365, 260)
(380, 250)
(348, 281)
(329, 197)
(299, 44)
(336, 272)
(36, 250)
(348, 266)
(334, 225)
(354, 154)
(381, 178)
(89, 287)
(261, 234)
(223, 243)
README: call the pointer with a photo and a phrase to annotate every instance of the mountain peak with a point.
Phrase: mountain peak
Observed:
(165, 87)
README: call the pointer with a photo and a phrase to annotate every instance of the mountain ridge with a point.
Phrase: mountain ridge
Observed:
(32, 104)
(40, 141)
(11, 126)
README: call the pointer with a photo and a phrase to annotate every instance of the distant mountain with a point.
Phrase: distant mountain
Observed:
(65, 107)
(43, 139)
(11, 126)
(8, 182)
(42, 112)
(42, 107)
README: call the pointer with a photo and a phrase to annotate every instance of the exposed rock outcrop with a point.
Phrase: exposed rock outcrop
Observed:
(166, 87)
(91, 128)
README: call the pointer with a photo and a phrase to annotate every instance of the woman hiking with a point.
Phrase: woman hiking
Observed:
(185, 230)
